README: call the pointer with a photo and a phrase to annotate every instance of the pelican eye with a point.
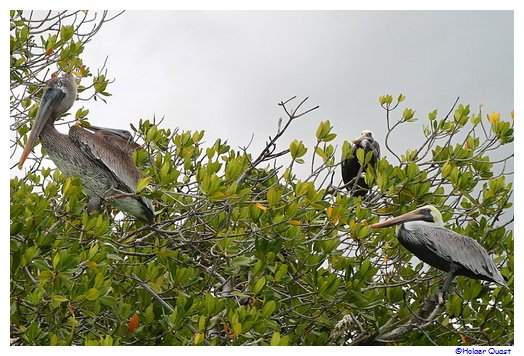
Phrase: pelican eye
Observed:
(428, 216)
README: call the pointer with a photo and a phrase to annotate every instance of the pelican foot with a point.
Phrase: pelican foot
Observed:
(440, 298)
(444, 289)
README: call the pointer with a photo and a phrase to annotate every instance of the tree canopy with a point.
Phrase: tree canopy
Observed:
(245, 251)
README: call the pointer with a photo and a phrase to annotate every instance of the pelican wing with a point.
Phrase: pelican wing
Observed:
(104, 152)
(376, 149)
(121, 138)
(350, 168)
(460, 250)
(121, 166)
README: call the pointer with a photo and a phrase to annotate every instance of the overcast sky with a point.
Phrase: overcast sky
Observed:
(224, 72)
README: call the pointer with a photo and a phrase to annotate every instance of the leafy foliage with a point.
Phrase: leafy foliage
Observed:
(245, 252)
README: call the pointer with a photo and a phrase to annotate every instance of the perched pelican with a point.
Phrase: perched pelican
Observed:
(422, 232)
(351, 165)
(106, 170)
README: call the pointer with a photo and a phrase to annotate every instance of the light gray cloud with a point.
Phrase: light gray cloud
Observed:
(224, 72)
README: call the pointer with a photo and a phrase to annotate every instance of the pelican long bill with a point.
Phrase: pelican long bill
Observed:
(411, 216)
(49, 102)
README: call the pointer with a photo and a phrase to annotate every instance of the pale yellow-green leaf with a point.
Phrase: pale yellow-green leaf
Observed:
(59, 298)
(259, 285)
(275, 339)
(142, 183)
(92, 294)
(199, 338)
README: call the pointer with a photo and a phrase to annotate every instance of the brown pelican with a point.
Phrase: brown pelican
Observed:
(105, 169)
(351, 165)
(422, 232)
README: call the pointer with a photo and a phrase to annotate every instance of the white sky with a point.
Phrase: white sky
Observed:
(224, 72)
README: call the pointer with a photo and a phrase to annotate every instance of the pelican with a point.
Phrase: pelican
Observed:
(106, 170)
(422, 232)
(351, 165)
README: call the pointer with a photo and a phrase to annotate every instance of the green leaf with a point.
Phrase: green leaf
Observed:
(273, 196)
(360, 153)
(32, 331)
(149, 316)
(275, 339)
(241, 261)
(237, 328)
(151, 133)
(259, 285)
(319, 151)
(412, 170)
(108, 300)
(324, 132)
(476, 119)
(107, 341)
(297, 149)
(66, 32)
(408, 115)
(29, 254)
(268, 308)
(281, 271)
(346, 150)
(92, 294)
(56, 260)
(330, 137)
(210, 152)
(210, 304)
(15, 228)
(92, 251)
(446, 169)
(81, 113)
(233, 169)
(385, 99)
(57, 298)
(50, 43)
(142, 183)
(198, 339)
(201, 323)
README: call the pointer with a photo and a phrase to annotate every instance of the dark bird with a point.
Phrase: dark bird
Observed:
(422, 232)
(106, 169)
(351, 166)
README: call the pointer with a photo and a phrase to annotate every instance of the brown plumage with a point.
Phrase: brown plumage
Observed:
(105, 168)
(120, 138)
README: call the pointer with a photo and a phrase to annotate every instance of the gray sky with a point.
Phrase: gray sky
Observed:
(224, 72)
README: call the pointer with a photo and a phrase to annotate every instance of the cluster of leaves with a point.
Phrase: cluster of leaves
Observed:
(269, 259)
(245, 252)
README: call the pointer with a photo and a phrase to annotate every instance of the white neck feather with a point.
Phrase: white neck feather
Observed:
(411, 225)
